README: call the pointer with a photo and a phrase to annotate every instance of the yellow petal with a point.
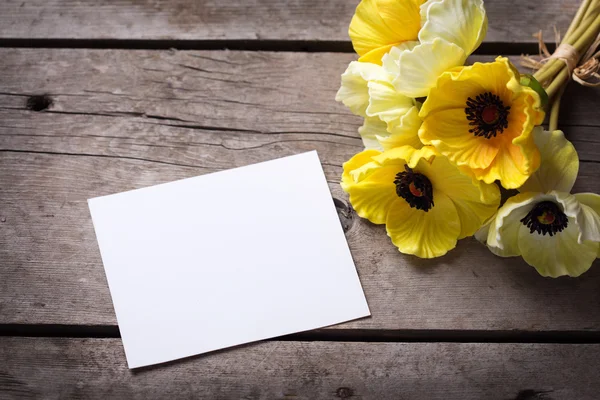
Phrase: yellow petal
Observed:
(386, 103)
(377, 25)
(371, 129)
(375, 56)
(364, 171)
(426, 234)
(559, 163)
(354, 163)
(518, 138)
(402, 132)
(475, 201)
(373, 196)
(505, 169)
(453, 88)
(559, 254)
(420, 67)
(354, 90)
(462, 22)
(406, 155)
(448, 131)
(511, 156)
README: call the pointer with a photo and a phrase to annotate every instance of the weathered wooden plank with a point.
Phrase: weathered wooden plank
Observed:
(95, 369)
(305, 20)
(127, 119)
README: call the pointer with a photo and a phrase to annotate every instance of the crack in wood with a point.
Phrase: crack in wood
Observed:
(106, 156)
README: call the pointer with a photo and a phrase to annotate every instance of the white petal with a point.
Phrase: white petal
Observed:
(421, 66)
(391, 60)
(402, 132)
(424, 7)
(559, 163)
(503, 233)
(559, 254)
(354, 91)
(589, 224)
(371, 128)
(386, 103)
(587, 220)
(483, 234)
(462, 22)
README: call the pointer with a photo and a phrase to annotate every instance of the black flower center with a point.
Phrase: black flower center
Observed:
(415, 188)
(487, 115)
(546, 217)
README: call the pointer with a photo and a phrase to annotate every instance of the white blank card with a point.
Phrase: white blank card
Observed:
(226, 258)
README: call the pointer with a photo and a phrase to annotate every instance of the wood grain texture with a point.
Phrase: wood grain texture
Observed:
(301, 20)
(60, 368)
(127, 119)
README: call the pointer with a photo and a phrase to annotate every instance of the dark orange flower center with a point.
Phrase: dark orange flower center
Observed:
(415, 188)
(546, 217)
(487, 115)
(415, 191)
(490, 114)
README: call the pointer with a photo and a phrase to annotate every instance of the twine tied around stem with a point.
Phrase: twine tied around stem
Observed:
(585, 71)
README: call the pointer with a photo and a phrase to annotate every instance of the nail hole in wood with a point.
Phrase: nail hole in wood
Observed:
(344, 393)
(39, 102)
(530, 394)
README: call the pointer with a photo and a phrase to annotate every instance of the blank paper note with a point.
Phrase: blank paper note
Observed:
(226, 258)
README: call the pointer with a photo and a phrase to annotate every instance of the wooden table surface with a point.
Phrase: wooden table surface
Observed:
(141, 92)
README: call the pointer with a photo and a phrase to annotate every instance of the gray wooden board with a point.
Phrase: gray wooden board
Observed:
(128, 119)
(62, 368)
(306, 20)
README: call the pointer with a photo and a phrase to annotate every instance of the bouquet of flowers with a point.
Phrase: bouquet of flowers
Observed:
(441, 138)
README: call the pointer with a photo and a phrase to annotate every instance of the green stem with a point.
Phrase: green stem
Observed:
(553, 124)
(580, 39)
(588, 36)
(578, 17)
(558, 82)
(576, 29)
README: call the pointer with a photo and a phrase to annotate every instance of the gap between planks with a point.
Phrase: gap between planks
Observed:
(305, 46)
(337, 335)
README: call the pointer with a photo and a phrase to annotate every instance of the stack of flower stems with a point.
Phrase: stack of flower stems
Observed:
(555, 74)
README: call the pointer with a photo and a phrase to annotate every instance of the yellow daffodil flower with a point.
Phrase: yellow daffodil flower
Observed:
(432, 36)
(378, 25)
(554, 231)
(482, 119)
(391, 119)
(426, 203)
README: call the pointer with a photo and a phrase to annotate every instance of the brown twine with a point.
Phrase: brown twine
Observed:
(568, 54)
(586, 71)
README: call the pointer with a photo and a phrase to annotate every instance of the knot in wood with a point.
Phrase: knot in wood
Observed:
(39, 102)
(344, 393)
(345, 213)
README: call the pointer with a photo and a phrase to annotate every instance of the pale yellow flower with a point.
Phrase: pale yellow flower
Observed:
(556, 232)
(391, 119)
